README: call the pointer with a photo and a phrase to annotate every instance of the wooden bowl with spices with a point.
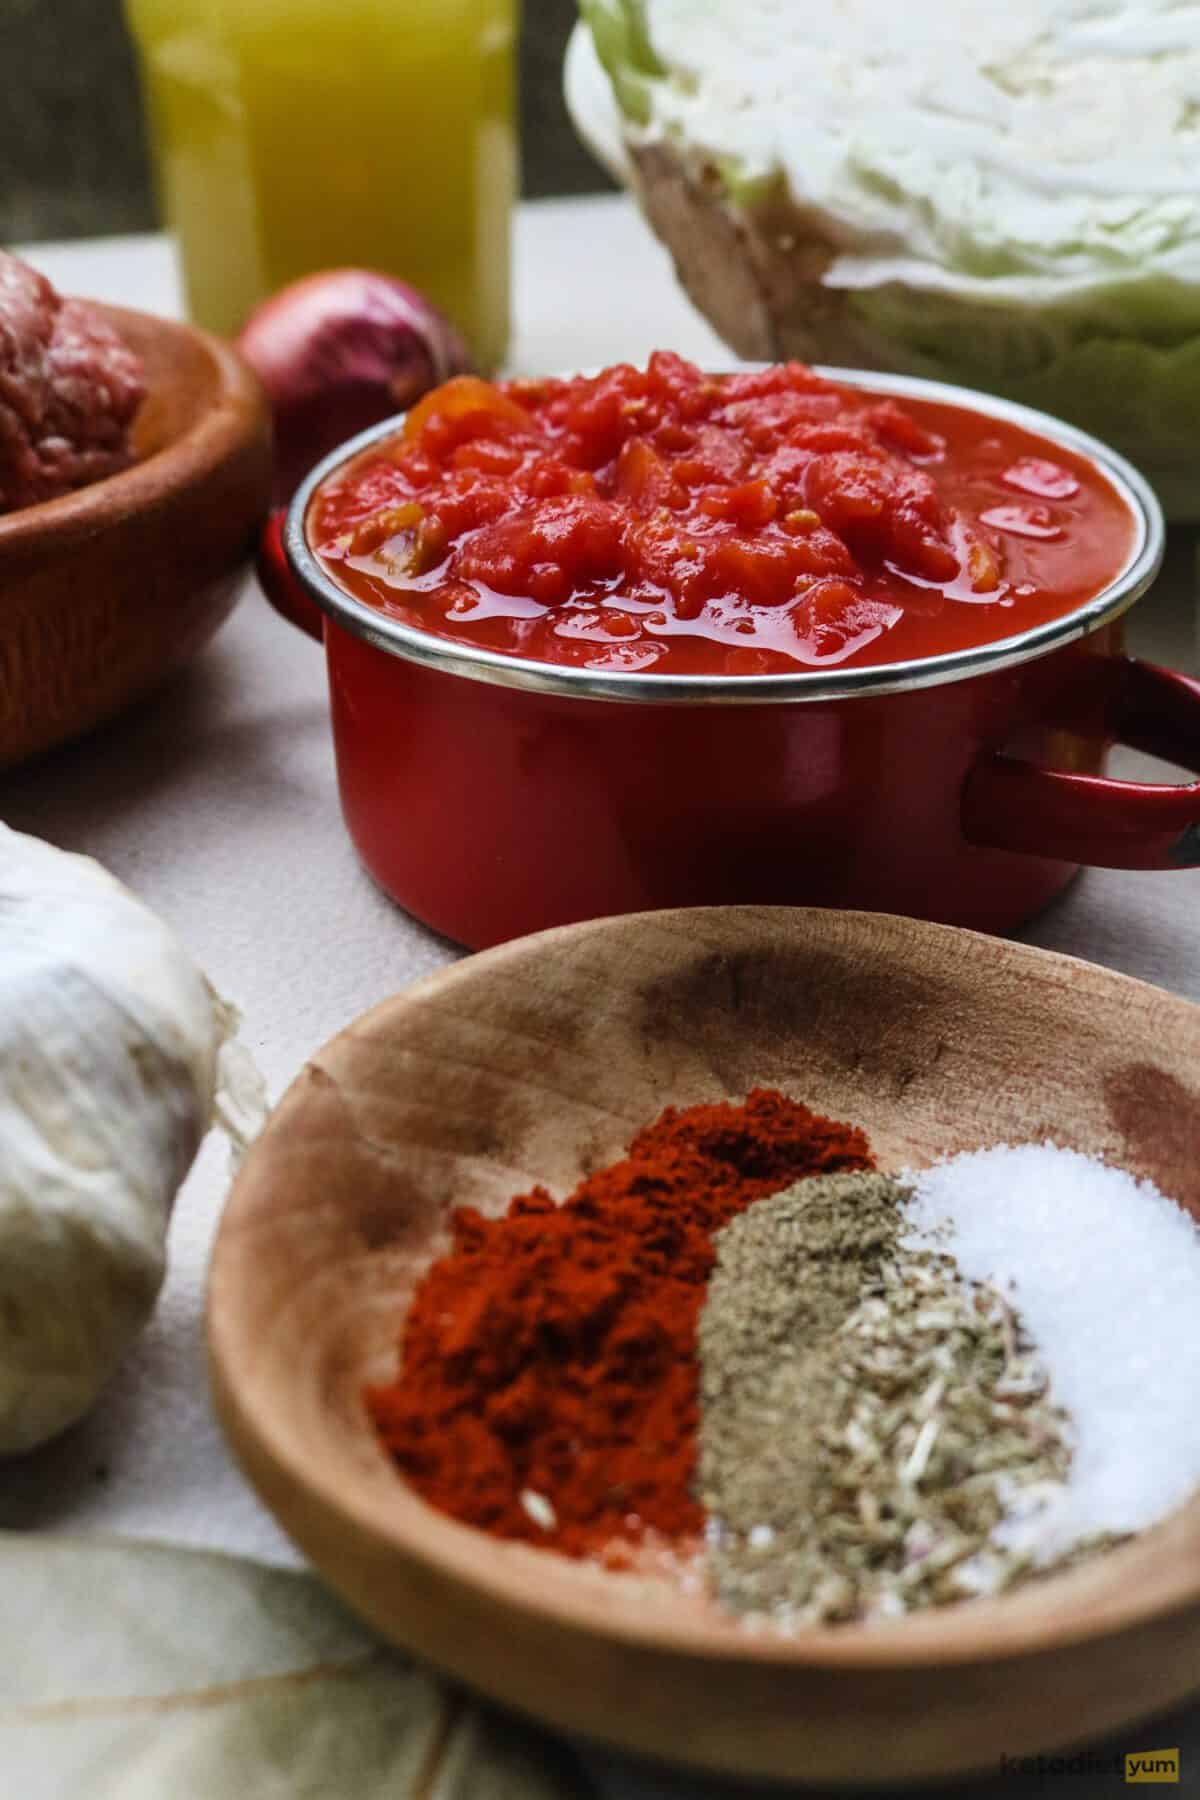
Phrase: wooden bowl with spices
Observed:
(535, 1065)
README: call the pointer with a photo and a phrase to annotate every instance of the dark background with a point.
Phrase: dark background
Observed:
(73, 156)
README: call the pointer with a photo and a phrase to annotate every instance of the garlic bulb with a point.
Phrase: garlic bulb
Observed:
(110, 1040)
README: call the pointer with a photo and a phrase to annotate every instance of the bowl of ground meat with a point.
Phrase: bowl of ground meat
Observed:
(134, 474)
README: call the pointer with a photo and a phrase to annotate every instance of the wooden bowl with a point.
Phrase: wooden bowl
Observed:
(536, 1062)
(105, 591)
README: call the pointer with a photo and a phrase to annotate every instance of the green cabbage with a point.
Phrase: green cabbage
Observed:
(1083, 307)
(1086, 362)
(622, 39)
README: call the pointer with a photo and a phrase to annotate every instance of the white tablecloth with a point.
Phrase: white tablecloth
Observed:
(216, 802)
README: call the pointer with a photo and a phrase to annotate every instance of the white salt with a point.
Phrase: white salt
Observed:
(1104, 1272)
(538, 1508)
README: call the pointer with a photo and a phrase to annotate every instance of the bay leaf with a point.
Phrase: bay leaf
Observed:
(135, 1671)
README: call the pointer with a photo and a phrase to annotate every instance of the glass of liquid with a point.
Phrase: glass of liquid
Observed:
(295, 135)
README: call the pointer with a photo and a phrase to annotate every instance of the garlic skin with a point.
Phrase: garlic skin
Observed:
(110, 1039)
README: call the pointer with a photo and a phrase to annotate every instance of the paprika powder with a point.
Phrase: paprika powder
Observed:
(548, 1384)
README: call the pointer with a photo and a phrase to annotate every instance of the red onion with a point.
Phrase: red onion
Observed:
(338, 351)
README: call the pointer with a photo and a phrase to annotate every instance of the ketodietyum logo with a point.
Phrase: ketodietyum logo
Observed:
(1152, 1765)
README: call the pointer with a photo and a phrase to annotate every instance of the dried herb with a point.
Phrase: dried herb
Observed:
(137, 1671)
(870, 1417)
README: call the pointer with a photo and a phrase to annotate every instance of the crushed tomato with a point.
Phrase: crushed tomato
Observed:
(667, 519)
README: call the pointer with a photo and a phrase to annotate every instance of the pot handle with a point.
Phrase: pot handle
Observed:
(280, 585)
(1010, 804)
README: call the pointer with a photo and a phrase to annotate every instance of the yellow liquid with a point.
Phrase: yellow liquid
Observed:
(293, 135)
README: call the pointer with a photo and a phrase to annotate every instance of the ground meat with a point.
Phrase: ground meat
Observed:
(69, 389)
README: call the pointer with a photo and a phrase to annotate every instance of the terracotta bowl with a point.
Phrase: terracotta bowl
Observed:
(107, 590)
(536, 1062)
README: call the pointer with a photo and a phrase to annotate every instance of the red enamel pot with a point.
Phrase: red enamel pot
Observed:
(493, 796)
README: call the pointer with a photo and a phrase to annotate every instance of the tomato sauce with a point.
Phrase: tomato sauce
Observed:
(748, 523)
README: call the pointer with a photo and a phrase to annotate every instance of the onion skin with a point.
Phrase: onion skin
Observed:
(338, 351)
